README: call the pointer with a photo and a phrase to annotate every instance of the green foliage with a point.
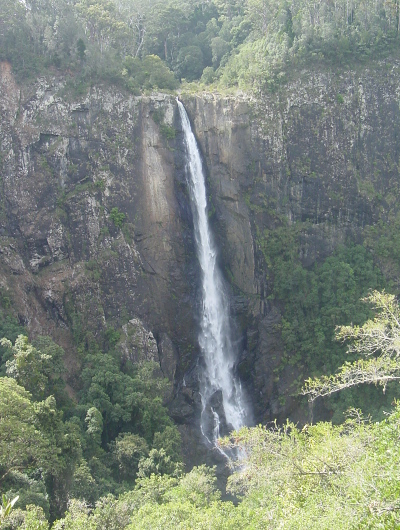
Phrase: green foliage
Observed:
(111, 338)
(378, 340)
(317, 299)
(199, 487)
(383, 241)
(30, 487)
(170, 440)
(162, 501)
(189, 63)
(9, 329)
(37, 369)
(93, 268)
(321, 476)
(159, 463)
(77, 518)
(208, 75)
(81, 48)
(150, 490)
(117, 217)
(128, 449)
(94, 422)
(184, 516)
(38, 447)
(110, 514)
(167, 131)
(22, 445)
(5, 300)
(97, 451)
(132, 402)
(147, 73)
(251, 44)
(32, 518)
(7, 506)
(83, 484)
(284, 34)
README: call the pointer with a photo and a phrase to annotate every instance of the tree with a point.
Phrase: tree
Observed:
(321, 476)
(199, 486)
(81, 49)
(136, 14)
(102, 23)
(128, 449)
(117, 217)
(22, 445)
(38, 369)
(27, 365)
(159, 463)
(151, 72)
(149, 490)
(378, 341)
(189, 63)
(170, 440)
(168, 21)
(77, 518)
(32, 518)
(94, 421)
(83, 484)
(219, 48)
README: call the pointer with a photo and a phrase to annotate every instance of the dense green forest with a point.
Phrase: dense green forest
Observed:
(53, 448)
(327, 476)
(147, 44)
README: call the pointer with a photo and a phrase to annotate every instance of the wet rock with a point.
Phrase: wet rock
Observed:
(213, 419)
(168, 356)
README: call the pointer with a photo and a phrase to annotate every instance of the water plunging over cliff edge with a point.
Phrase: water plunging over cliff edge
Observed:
(218, 384)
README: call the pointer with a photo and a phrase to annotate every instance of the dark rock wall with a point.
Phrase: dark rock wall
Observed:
(66, 164)
(324, 149)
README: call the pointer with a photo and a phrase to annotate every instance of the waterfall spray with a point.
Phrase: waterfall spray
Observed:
(218, 383)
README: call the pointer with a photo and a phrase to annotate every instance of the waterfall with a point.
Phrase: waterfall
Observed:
(219, 387)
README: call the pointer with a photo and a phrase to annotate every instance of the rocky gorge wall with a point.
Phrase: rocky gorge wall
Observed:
(323, 150)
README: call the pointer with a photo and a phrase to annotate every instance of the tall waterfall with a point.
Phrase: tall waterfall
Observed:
(220, 390)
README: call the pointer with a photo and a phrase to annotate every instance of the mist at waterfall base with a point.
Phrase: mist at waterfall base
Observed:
(220, 389)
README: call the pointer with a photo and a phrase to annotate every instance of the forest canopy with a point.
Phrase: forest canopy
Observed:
(154, 44)
(112, 460)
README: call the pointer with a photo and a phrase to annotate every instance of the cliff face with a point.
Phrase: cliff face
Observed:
(324, 149)
(69, 265)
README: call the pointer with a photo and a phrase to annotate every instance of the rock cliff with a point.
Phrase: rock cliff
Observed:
(324, 150)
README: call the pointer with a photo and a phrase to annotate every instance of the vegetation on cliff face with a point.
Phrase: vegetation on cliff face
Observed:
(249, 44)
(314, 301)
(377, 341)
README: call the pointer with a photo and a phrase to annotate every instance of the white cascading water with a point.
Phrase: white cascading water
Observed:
(215, 332)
